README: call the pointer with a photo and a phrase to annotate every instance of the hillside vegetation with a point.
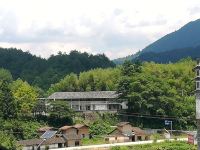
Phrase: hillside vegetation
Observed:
(44, 72)
(151, 90)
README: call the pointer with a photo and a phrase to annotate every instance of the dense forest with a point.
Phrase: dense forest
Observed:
(151, 89)
(44, 72)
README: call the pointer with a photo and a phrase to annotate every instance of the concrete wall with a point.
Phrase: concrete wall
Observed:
(118, 139)
(101, 107)
(71, 143)
(42, 147)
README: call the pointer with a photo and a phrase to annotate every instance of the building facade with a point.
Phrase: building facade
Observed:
(91, 101)
(126, 133)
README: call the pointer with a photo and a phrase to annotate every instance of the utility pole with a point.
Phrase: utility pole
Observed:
(197, 93)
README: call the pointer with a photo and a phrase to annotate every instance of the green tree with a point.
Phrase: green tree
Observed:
(8, 142)
(7, 103)
(5, 75)
(25, 97)
(60, 113)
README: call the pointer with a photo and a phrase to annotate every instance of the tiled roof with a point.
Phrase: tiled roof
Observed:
(84, 95)
(118, 132)
(31, 142)
(72, 136)
(122, 124)
(45, 128)
(78, 126)
(66, 127)
(138, 131)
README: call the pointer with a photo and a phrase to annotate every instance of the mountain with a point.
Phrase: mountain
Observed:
(187, 37)
(119, 61)
(171, 56)
(44, 72)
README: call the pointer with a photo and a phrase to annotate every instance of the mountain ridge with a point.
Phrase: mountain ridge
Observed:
(188, 36)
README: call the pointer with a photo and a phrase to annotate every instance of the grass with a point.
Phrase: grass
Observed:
(175, 145)
(93, 141)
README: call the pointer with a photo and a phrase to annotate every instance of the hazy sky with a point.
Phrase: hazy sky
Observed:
(114, 27)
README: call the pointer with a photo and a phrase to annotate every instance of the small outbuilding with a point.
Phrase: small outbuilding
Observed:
(57, 141)
(124, 132)
(82, 130)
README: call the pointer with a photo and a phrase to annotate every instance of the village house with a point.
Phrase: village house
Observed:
(124, 132)
(82, 130)
(70, 133)
(42, 130)
(43, 143)
(91, 101)
(66, 136)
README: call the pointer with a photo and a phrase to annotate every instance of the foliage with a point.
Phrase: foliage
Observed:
(5, 75)
(170, 56)
(60, 113)
(25, 97)
(7, 142)
(93, 80)
(21, 129)
(99, 127)
(7, 103)
(158, 88)
(93, 141)
(176, 145)
(44, 72)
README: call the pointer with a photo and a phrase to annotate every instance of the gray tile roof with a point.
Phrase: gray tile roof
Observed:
(84, 95)
(32, 142)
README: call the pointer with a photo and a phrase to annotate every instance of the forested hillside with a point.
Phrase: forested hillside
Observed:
(150, 88)
(42, 72)
(186, 36)
(162, 90)
(172, 47)
(170, 56)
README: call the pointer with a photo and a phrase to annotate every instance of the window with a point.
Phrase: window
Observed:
(87, 107)
(83, 135)
(77, 131)
(115, 138)
(76, 143)
(198, 72)
(59, 145)
(197, 84)
(139, 138)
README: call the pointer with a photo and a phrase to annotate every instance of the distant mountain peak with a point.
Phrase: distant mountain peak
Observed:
(187, 36)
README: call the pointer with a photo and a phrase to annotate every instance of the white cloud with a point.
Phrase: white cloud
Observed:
(114, 27)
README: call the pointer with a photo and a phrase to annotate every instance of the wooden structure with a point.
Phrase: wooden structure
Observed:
(71, 136)
(90, 101)
(82, 130)
(57, 141)
(126, 133)
(67, 136)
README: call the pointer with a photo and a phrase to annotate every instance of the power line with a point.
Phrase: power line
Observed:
(148, 116)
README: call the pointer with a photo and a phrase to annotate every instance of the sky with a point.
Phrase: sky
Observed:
(116, 28)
